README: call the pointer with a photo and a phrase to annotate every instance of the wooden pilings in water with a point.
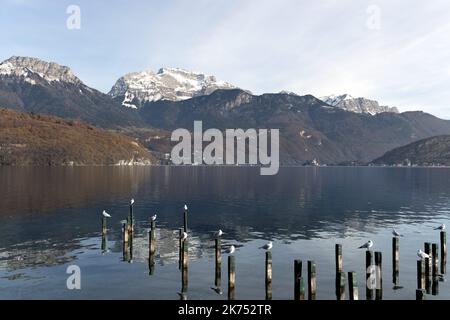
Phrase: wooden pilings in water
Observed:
(218, 264)
(185, 219)
(379, 276)
(421, 274)
(231, 277)
(312, 280)
(352, 286)
(152, 247)
(180, 246)
(428, 268)
(340, 286)
(370, 275)
(338, 257)
(443, 239)
(268, 275)
(184, 267)
(420, 294)
(395, 260)
(434, 260)
(299, 283)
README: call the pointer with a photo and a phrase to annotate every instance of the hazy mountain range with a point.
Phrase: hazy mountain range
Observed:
(148, 105)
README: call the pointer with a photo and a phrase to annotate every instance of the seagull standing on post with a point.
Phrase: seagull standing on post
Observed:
(106, 214)
(422, 255)
(153, 218)
(396, 234)
(230, 250)
(441, 227)
(367, 245)
(267, 246)
(219, 233)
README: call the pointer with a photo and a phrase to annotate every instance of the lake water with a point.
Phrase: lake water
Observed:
(50, 218)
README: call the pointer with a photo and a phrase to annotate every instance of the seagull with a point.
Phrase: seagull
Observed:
(441, 227)
(367, 245)
(153, 218)
(184, 237)
(219, 233)
(132, 201)
(267, 246)
(230, 250)
(423, 255)
(106, 214)
(395, 233)
(185, 207)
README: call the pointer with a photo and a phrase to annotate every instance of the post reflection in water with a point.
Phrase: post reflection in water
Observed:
(49, 219)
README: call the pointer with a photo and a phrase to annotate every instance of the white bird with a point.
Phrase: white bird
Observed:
(423, 255)
(441, 227)
(219, 233)
(395, 233)
(106, 214)
(185, 207)
(231, 250)
(184, 237)
(132, 201)
(154, 217)
(367, 245)
(267, 246)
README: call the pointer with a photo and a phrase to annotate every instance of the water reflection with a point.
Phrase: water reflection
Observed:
(51, 217)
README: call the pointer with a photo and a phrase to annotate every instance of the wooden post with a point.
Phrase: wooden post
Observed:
(379, 276)
(152, 239)
(268, 275)
(298, 281)
(340, 288)
(125, 241)
(435, 286)
(428, 275)
(420, 274)
(218, 255)
(352, 286)
(180, 247)
(131, 218)
(103, 225)
(443, 251)
(338, 257)
(420, 294)
(395, 260)
(435, 260)
(185, 259)
(312, 281)
(370, 283)
(185, 220)
(104, 247)
(231, 277)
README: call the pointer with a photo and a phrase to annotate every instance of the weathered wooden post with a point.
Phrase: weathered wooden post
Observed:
(435, 286)
(420, 274)
(131, 216)
(104, 226)
(420, 294)
(428, 275)
(268, 275)
(340, 289)
(352, 286)
(218, 256)
(312, 281)
(379, 276)
(443, 252)
(185, 218)
(370, 276)
(231, 277)
(299, 285)
(104, 247)
(125, 241)
(395, 260)
(338, 257)
(435, 260)
(180, 246)
(152, 238)
(185, 259)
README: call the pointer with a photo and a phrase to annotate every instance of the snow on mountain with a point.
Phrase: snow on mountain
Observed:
(167, 84)
(33, 70)
(358, 105)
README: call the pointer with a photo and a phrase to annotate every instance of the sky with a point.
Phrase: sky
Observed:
(396, 52)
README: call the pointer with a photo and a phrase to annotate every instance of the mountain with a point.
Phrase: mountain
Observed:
(426, 152)
(33, 85)
(309, 128)
(28, 139)
(134, 89)
(358, 105)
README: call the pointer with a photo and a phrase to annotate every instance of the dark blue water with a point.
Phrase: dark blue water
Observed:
(50, 218)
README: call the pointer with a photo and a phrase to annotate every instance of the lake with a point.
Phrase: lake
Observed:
(50, 218)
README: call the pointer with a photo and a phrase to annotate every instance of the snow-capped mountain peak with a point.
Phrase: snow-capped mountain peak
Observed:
(173, 84)
(32, 70)
(358, 105)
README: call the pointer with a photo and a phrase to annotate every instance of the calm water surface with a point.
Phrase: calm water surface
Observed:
(50, 218)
